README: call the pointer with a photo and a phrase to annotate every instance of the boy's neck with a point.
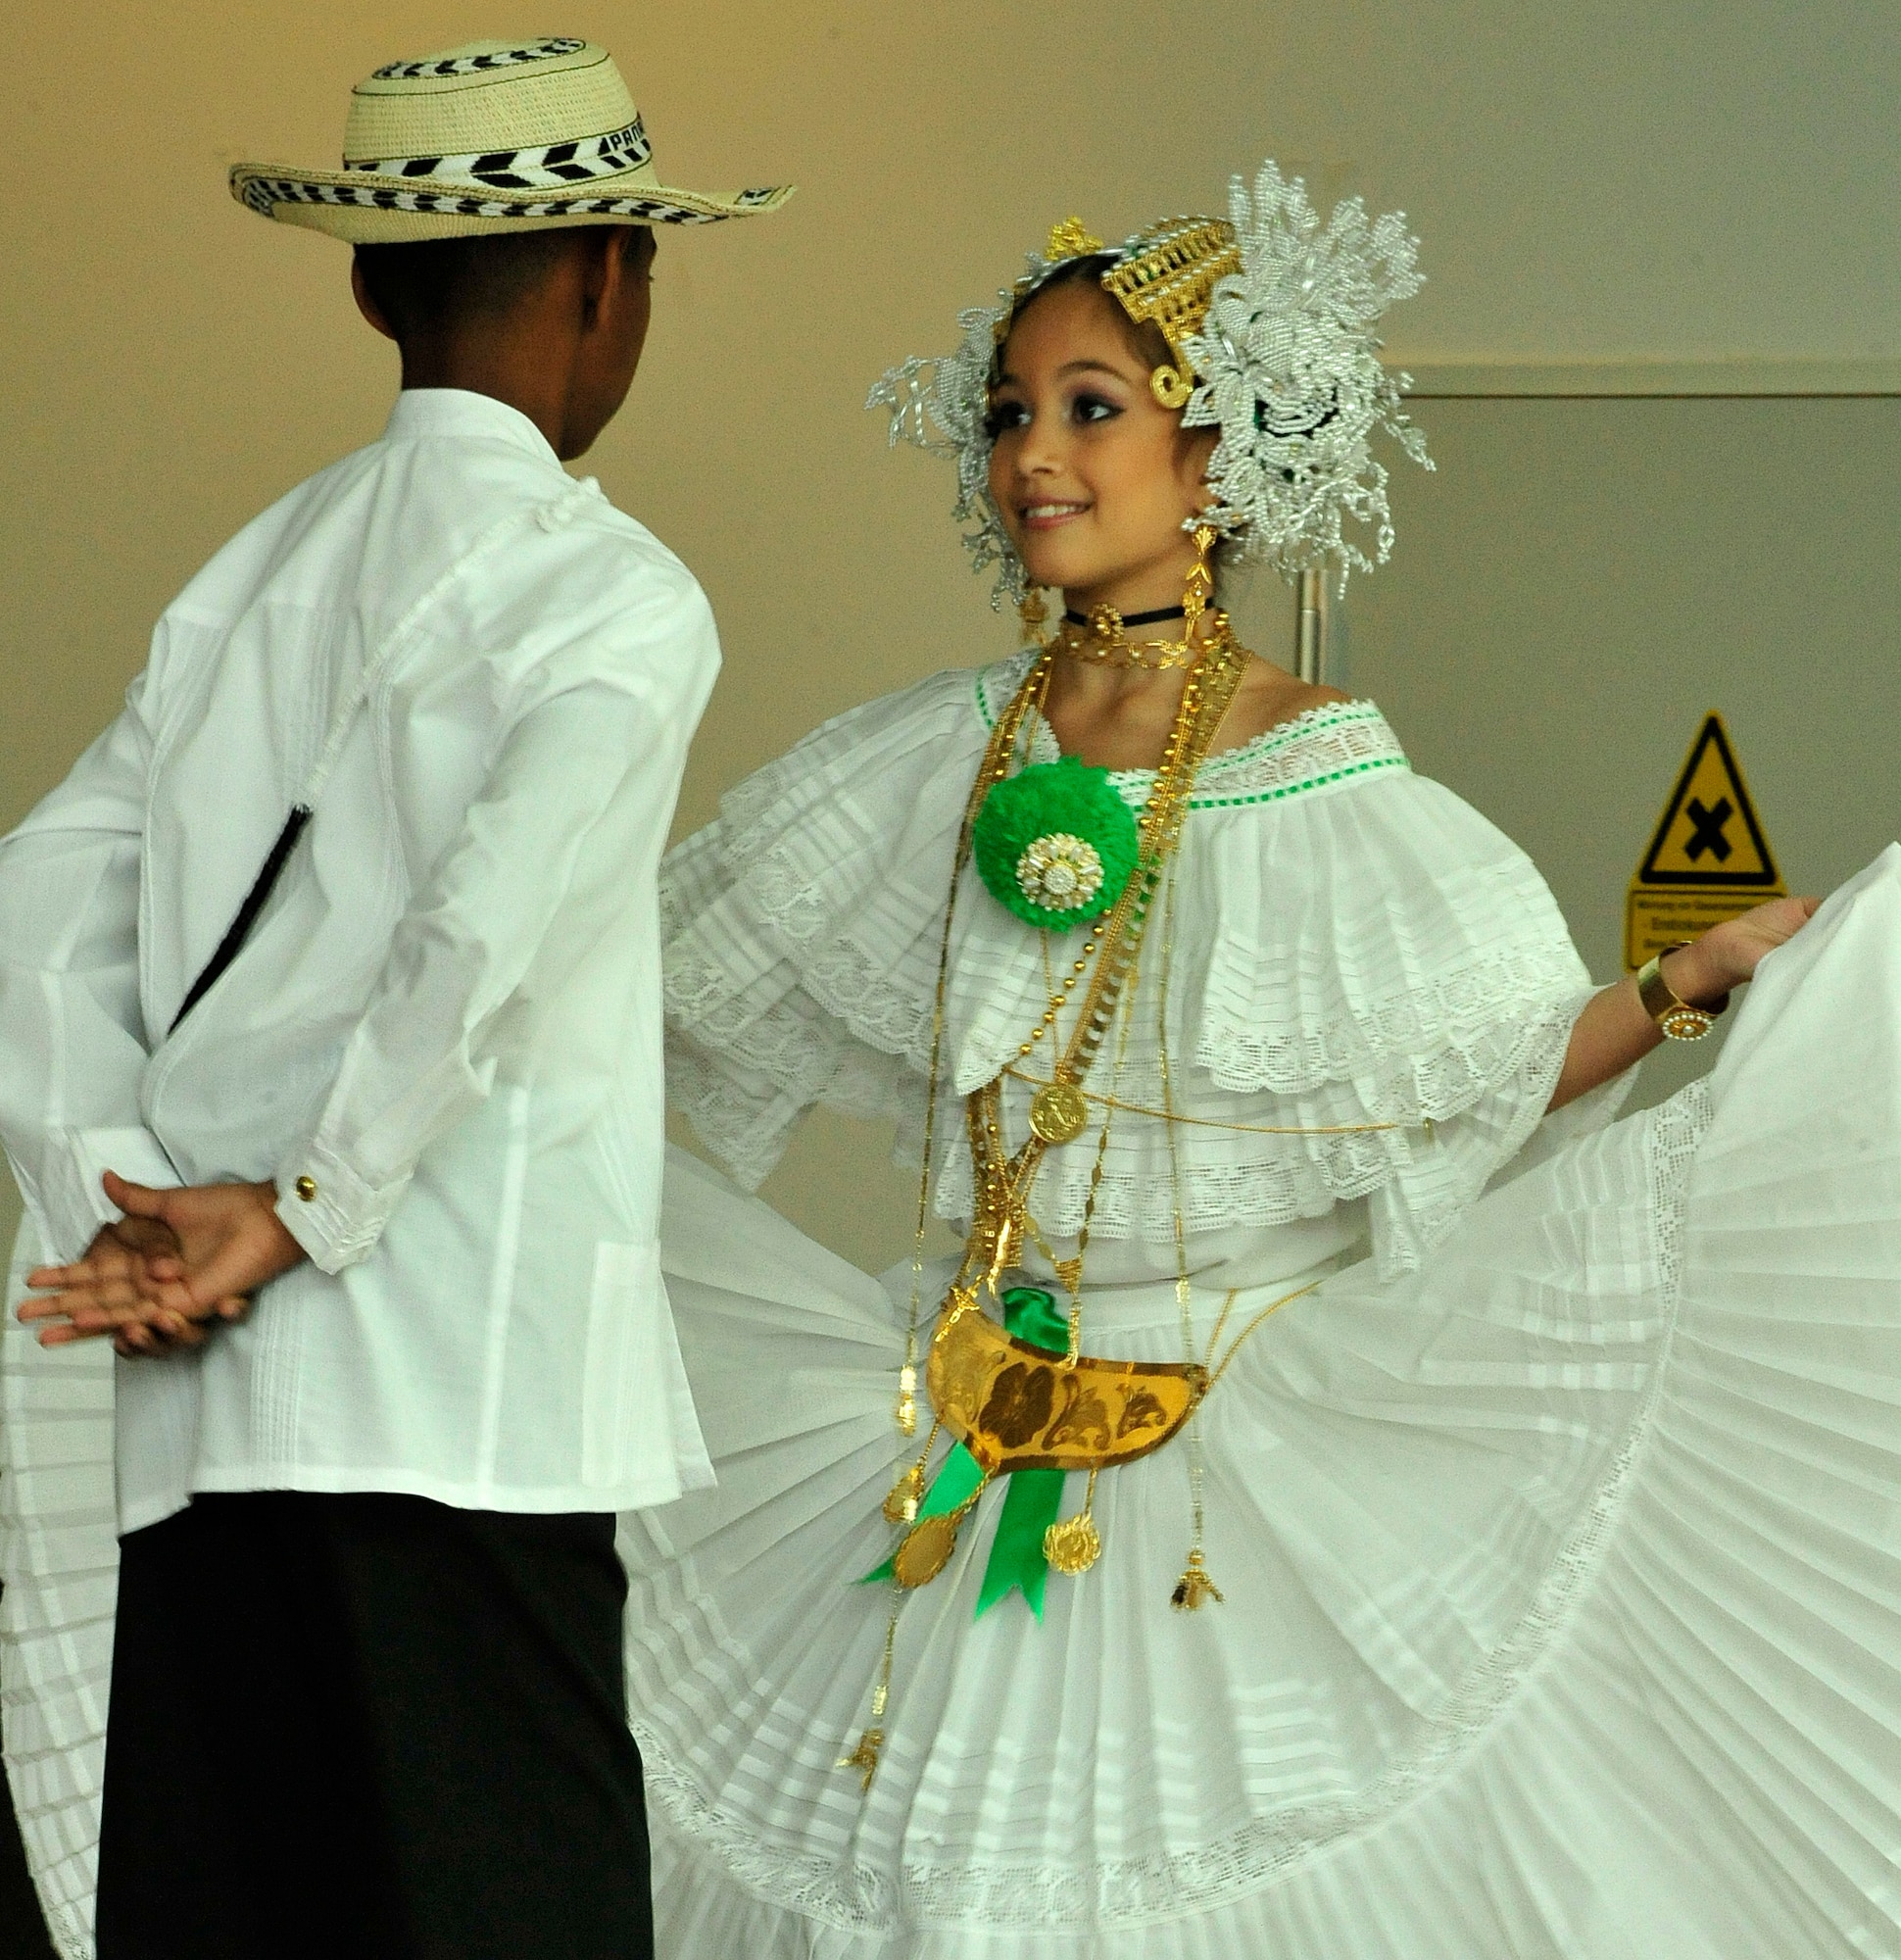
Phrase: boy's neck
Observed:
(506, 367)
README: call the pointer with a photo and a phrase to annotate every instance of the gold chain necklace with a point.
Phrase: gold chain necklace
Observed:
(1115, 1410)
(1003, 1178)
(1064, 1112)
(1059, 1114)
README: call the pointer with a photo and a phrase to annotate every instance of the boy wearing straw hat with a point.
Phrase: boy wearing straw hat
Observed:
(330, 1074)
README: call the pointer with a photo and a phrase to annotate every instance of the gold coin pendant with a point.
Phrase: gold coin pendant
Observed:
(1058, 1113)
(926, 1551)
(1073, 1544)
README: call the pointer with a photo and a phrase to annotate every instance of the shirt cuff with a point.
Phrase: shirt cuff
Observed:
(333, 1212)
(69, 1204)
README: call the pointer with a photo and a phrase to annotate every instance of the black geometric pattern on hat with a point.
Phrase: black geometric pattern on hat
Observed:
(261, 193)
(545, 167)
(429, 71)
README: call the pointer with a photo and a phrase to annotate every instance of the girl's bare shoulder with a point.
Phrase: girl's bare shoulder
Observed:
(1267, 697)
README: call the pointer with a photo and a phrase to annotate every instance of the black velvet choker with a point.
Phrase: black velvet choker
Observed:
(1133, 618)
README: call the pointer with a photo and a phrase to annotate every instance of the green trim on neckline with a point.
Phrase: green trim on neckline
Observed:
(1270, 742)
(1306, 783)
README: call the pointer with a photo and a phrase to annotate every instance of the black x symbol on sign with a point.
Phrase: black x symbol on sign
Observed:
(1707, 831)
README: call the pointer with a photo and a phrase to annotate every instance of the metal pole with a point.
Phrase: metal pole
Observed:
(1311, 628)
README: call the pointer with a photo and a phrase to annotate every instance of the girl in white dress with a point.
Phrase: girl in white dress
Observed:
(1262, 1542)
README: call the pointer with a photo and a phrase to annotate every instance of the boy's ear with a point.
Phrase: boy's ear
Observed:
(606, 263)
(366, 305)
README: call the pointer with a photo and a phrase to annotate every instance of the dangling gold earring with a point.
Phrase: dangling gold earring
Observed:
(1035, 615)
(1200, 581)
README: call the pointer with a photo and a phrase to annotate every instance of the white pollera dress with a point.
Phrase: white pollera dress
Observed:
(1559, 1529)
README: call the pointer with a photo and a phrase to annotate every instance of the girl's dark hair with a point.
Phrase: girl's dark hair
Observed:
(1145, 339)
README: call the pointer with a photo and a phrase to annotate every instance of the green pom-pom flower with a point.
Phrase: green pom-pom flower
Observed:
(1055, 845)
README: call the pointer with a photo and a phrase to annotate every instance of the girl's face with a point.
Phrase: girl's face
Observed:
(1093, 476)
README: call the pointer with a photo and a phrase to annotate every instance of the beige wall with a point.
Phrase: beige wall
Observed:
(1601, 188)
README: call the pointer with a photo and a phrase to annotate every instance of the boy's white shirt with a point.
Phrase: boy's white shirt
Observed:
(447, 1019)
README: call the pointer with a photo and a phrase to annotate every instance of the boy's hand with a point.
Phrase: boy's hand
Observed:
(112, 1277)
(162, 1277)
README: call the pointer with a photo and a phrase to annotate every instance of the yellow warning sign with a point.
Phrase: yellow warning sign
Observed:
(1708, 860)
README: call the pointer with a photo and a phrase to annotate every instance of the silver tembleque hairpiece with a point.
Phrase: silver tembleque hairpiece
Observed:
(1285, 368)
(1289, 371)
(941, 404)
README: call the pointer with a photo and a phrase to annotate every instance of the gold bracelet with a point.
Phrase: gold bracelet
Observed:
(1678, 1019)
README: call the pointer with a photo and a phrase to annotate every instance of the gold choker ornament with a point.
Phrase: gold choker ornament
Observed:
(1103, 643)
(1103, 639)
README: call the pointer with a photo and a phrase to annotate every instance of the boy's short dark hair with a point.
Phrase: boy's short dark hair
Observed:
(420, 286)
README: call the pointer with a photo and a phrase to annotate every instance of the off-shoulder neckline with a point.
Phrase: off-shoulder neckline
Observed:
(1375, 749)
(1309, 719)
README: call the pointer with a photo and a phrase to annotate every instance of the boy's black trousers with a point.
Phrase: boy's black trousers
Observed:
(371, 1727)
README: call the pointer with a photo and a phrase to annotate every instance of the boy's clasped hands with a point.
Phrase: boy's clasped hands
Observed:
(161, 1279)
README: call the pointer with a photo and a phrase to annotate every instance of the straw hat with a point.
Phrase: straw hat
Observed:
(495, 136)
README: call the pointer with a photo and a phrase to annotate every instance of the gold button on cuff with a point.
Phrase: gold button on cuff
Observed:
(305, 1188)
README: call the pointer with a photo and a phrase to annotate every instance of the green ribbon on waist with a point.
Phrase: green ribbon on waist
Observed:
(1034, 1496)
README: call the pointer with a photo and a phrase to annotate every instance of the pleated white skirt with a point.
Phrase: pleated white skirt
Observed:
(1563, 1580)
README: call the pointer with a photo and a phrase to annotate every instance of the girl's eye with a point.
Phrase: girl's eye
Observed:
(1092, 409)
(1003, 416)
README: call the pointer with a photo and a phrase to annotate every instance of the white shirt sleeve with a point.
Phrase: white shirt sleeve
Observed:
(74, 1044)
(595, 730)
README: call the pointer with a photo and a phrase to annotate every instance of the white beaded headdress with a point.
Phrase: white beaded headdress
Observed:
(1272, 318)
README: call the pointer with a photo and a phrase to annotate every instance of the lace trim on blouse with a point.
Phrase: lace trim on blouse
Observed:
(1332, 743)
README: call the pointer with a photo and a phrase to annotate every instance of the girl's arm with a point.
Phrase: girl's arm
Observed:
(1615, 1030)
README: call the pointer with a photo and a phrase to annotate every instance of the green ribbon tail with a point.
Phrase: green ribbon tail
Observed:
(1034, 1496)
(1017, 1559)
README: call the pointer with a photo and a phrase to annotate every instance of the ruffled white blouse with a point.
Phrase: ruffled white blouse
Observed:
(1364, 988)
